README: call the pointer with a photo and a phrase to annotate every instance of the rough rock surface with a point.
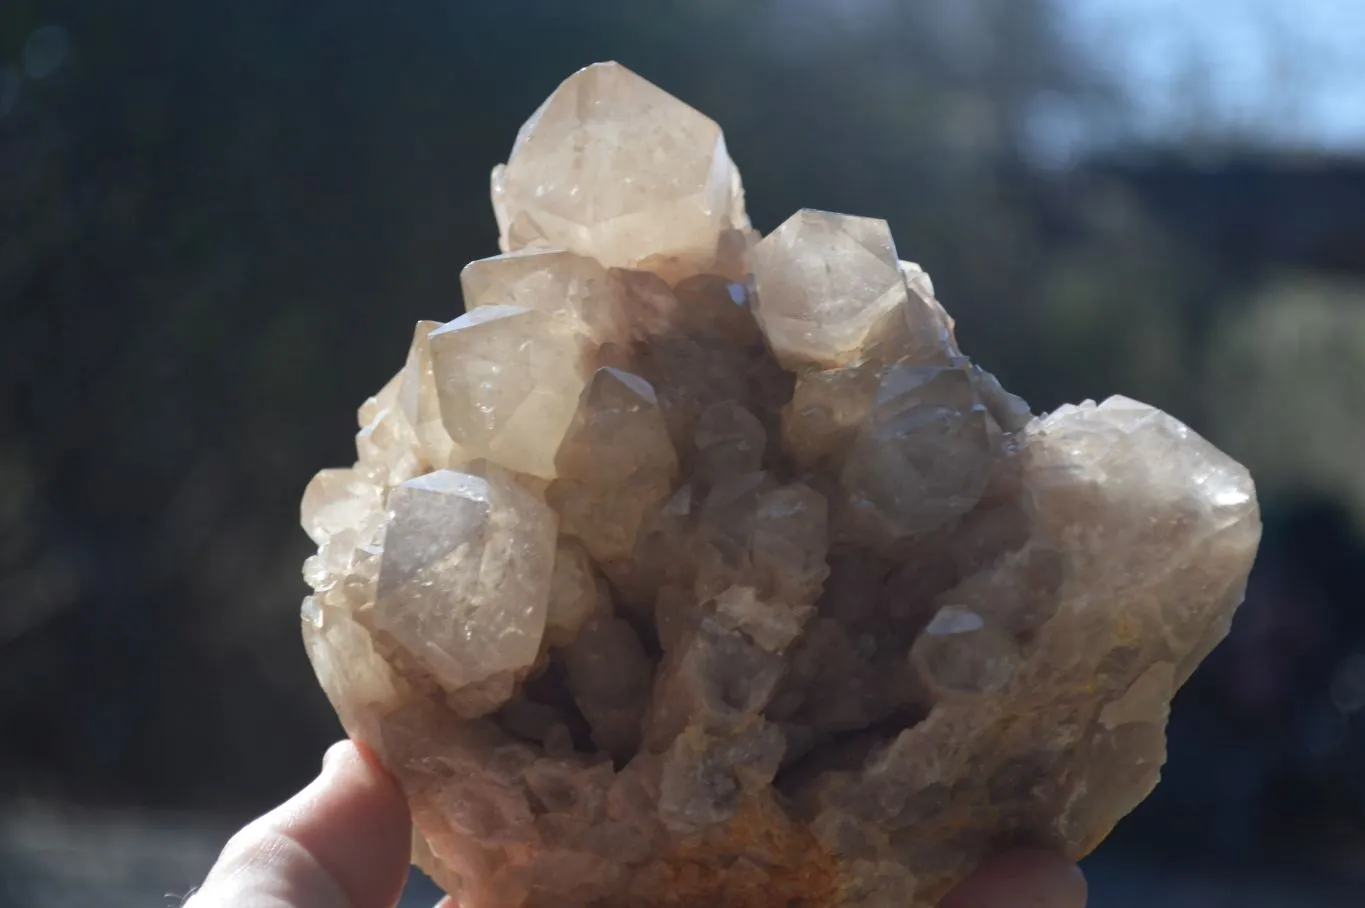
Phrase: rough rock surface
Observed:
(692, 568)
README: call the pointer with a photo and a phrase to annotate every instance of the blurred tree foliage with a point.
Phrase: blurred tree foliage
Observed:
(219, 220)
(1284, 386)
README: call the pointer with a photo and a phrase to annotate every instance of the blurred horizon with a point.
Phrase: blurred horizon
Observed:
(218, 223)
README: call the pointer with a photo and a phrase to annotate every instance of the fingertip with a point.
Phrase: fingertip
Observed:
(1025, 878)
(338, 751)
(354, 820)
(342, 842)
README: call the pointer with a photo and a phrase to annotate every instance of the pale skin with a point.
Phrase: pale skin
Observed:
(343, 842)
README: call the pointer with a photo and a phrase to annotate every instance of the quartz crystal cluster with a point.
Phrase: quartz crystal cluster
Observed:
(692, 567)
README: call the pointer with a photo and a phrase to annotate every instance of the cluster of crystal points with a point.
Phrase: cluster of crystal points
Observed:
(694, 568)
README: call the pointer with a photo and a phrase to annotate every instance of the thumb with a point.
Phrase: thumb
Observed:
(342, 842)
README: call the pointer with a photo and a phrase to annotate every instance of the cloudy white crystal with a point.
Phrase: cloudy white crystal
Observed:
(465, 579)
(614, 168)
(657, 586)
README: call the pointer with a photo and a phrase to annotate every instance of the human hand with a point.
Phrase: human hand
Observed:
(344, 841)
(341, 842)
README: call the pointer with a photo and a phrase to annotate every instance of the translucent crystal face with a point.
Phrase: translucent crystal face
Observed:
(613, 168)
(829, 288)
(690, 568)
(923, 453)
(573, 287)
(507, 381)
(465, 580)
(615, 464)
(337, 502)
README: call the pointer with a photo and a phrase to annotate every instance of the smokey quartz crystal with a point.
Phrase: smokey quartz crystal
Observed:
(691, 567)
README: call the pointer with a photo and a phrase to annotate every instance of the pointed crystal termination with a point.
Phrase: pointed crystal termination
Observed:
(751, 588)
(386, 448)
(615, 465)
(417, 400)
(609, 675)
(507, 380)
(359, 683)
(384, 399)
(730, 440)
(924, 455)
(552, 281)
(614, 168)
(464, 585)
(837, 306)
(829, 288)
(339, 501)
(576, 594)
(826, 409)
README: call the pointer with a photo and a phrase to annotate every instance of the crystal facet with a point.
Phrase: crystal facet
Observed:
(552, 281)
(829, 288)
(923, 454)
(465, 579)
(616, 462)
(507, 379)
(614, 168)
(420, 405)
(691, 568)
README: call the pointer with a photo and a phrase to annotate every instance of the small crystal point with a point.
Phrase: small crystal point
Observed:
(576, 595)
(711, 306)
(417, 400)
(615, 464)
(614, 168)
(552, 281)
(386, 449)
(361, 685)
(829, 288)
(339, 501)
(729, 440)
(924, 456)
(960, 653)
(382, 400)
(821, 421)
(609, 674)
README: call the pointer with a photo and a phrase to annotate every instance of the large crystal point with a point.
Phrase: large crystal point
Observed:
(751, 589)
(829, 288)
(838, 306)
(507, 380)
(464, 585)
(614, 168)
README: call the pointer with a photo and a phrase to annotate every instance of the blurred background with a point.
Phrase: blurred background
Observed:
(219, 220)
